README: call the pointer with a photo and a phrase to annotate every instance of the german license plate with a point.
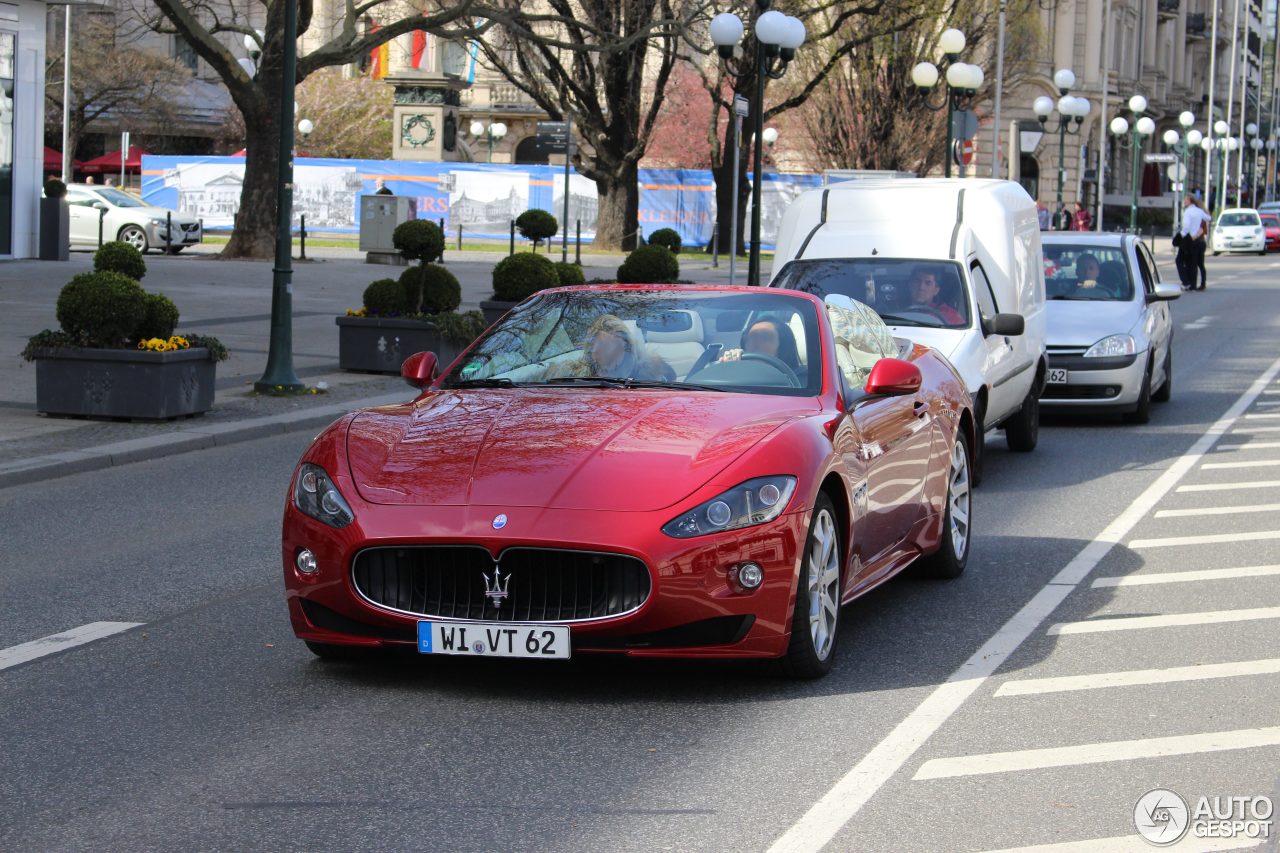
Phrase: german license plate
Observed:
(1057, 376)
(1239, 244)
(493, 639)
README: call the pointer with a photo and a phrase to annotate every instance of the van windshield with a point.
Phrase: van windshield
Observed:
(903, 291)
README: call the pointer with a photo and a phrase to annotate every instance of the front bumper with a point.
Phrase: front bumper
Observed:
(1095, 382)
(184, 233)
(693, 608)
(1253, 243)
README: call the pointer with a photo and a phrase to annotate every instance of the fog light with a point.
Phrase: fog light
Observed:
(306, 562)
(750, 576)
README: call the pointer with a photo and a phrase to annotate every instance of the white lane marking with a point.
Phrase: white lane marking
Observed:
(1098, 753)
(1267, 403)
(24, 652)
(1253, 463)
(833, 810)
(1258, 417)
(1216, 510)
(1206, 539)
(1167, 620)
(1251, 445)
(1187, 577)
(1134, 844)
(1133, 677)
(1246, 428)
(1230, 487)
(1200, 323)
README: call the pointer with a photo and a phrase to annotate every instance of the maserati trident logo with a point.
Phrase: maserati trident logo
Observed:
(496, 585)
(500, 521)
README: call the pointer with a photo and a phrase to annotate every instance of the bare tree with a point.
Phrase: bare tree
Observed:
(111, 83)
(678, 138)
(352, 116)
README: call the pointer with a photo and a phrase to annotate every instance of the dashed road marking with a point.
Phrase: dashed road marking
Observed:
(1206, 539)
(1187, 577)
(1130, 678)
(1217, 510)
(1168, 620)
(1252, 463)
(1135, 844)
(54, 643)
(1230, 487)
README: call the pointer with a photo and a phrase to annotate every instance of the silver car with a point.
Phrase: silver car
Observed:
(1109, 335)
(123, 216)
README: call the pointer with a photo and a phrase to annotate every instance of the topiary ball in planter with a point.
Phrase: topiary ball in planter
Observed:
(537, 225)
(569, 274)
(668, 237)
(54, 188)
(118, 256)
(649, 265)
(102, 309)
(159, 318)
(521, 275)
(430, 289)
(419, 240)
(384, 298)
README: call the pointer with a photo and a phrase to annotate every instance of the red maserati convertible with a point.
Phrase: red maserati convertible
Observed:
(691, 471)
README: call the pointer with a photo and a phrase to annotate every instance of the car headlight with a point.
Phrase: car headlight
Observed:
(155, 220)
(1257, 231)
(745, 505)
(317, 496)
(1112, 346)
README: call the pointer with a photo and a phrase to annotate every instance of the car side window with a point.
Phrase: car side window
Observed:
(987, 304)
(79, 199)
(1146, 268)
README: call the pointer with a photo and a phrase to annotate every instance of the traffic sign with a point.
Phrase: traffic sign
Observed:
(741, 106)
(964, 124)
(553, 136)
(1159, 158)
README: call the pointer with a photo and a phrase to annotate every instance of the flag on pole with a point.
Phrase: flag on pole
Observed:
(379, 58)
(419, 56)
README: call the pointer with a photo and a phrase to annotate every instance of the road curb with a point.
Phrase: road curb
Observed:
(197, 437)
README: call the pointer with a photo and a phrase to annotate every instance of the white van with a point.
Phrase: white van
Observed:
(954, 264)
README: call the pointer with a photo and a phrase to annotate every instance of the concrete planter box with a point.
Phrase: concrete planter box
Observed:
(494, 310)
(121, 383)
(380, 345)
(55, 229)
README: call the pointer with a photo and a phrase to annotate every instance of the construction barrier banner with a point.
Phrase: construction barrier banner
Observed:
(481, 199)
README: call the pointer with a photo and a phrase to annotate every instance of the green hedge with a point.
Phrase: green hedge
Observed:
(521, 275)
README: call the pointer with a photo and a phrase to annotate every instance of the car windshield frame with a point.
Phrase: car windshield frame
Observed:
(1063, 284)
(565, 339)
(889, 295)
(118, 198)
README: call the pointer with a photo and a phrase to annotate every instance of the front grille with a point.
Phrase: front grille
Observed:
(1080, 392)
(542, 585)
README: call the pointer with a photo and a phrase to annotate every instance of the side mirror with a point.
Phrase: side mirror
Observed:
(99, 205)
(419, 369)
(1164, 291)
(894, 377)
(1004, 324)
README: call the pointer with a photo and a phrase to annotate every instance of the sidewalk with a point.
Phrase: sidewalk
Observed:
(231, 300)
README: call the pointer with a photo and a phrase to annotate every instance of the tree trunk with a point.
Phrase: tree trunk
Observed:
(723, 175)
(255, 227)
(618, 220)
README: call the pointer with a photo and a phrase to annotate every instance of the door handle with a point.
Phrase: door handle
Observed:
(921, 408)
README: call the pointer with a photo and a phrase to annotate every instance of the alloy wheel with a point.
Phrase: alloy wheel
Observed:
(958, 496)
(824, 584)
(135, 237)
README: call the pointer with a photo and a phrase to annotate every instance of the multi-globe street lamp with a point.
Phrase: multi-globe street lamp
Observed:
(1253, 143)
(1071, 113)
(777, 38)
(493, 133)
(1143, 127)
(963, 82)
(1220, 131)
(1181, 147)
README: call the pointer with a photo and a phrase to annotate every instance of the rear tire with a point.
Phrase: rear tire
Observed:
(1142, 413)
(949, 561)
(1022, 431)
(1165, 391)
(815, 619)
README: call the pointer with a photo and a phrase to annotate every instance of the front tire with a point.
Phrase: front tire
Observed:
(815, 619)
(1165, 391)
(949, 561)
(1142, 412)
(1022, 431)
(134, 236)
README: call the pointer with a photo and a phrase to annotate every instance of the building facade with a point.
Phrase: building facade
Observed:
(22, 60)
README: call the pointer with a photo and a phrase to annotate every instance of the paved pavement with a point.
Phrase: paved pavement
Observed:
(231, 300)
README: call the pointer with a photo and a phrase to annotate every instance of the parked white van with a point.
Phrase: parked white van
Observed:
(954, 264)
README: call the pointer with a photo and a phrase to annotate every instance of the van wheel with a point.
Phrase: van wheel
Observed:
(1165, 391)
(1022, 431)
(1142, 412)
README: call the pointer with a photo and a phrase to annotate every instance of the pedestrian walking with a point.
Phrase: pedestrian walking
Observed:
(1191, 244)
(1044, 215)
(1083, 219)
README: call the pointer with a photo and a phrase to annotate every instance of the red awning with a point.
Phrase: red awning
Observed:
(110, 162)
(53, 161)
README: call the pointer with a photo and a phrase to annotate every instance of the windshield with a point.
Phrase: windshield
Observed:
(1244, 219)
(1270, 220)
(759, 343)
(904, 292)
(119, 198)
(1086, 272)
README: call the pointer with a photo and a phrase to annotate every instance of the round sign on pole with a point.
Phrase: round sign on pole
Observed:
(1176, 172)
(966, 151)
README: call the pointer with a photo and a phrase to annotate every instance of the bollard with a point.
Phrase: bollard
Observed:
(577, 245)
(513, 237)
(201, 221)
(168, 232)
(443, 242)
(302, 236)
(715, 245)
(102, 215)
(459, 238)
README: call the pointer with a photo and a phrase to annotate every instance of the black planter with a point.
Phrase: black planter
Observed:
(380, 345)
(494, 310)
(55, 229)
(121, 383)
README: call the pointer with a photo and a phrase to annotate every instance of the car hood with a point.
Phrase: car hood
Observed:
(1077, 323)
(624, 450)
(1237, 232)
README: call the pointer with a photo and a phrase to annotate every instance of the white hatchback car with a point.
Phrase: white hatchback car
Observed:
(1238, 229)
(124, 216)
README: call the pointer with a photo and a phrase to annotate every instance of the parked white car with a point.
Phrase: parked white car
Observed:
(124, 216)
(1238, 229)
(1109, 327)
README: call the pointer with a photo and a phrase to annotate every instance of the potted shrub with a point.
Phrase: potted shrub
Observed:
(419, 240)
(537, 225)
(651, 264)
(668, 237)
(400, 317)
(516, 278)
(569, 273)
(115, 355)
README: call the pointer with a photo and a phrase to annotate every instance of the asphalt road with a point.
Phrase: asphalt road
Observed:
(208, 726)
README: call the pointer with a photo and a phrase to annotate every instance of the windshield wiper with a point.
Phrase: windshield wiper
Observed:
(487, 382)
(624, 382)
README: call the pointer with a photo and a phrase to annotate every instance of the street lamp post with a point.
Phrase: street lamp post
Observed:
(1071, 113)
(493, 133)
(1253, 143)
(963, 82)
(777, 38)
(1143, 127)
(1220, 130)
(1181, 147)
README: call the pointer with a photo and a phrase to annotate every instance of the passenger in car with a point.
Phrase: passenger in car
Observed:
(614, 350)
